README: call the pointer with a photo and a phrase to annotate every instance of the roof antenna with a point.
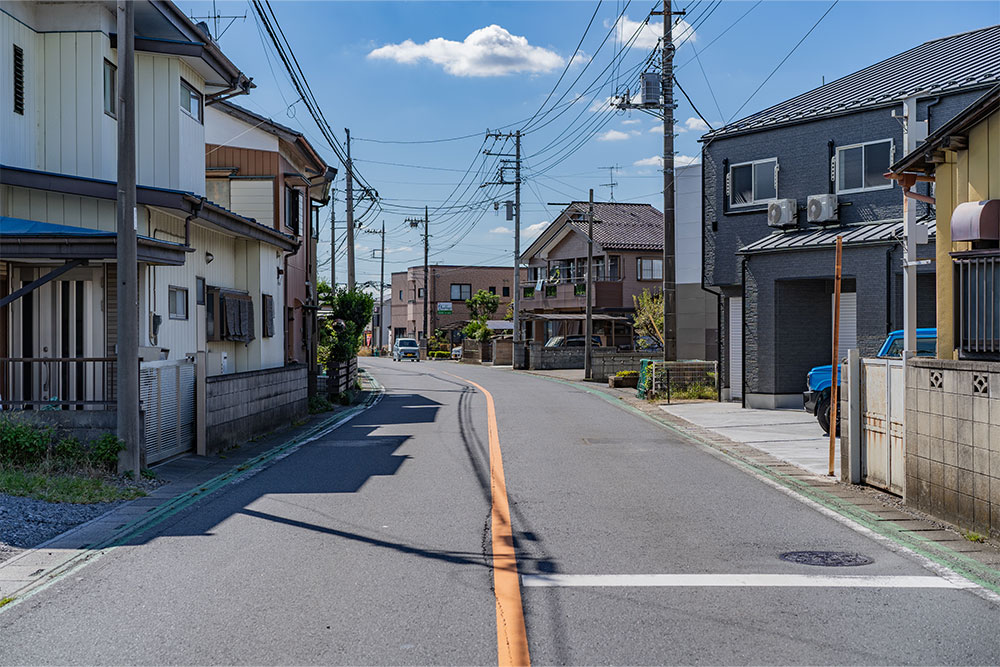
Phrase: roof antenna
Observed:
(612, 184)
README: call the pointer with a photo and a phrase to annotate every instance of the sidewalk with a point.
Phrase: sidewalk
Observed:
(188, 479)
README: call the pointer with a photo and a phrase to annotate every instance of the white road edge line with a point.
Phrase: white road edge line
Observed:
(741, 581)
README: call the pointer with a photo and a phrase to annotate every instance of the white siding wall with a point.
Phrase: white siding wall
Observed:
(687, 231)
(57, 208)
(18, 134)
(253, 199)
(224, 130)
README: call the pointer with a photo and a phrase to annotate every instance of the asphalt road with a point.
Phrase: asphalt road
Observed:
(371, 545)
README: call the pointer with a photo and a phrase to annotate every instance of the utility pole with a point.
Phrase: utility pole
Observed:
(914, 132)
(415, 222)
(128, 266)
(350, 214)
(666, 109)
(588, 371)
(501, 180)
(333, 241)
(381, 283)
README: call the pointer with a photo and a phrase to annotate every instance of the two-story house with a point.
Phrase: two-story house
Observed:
(205, 273)
(782, 184)
(628, 258)
(449, 287)
(264, 170)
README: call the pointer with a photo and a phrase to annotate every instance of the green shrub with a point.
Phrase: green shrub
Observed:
(439, 354)
(104, 451)
(23, 441)
(70, 450)
(318, 404)
(627, 374)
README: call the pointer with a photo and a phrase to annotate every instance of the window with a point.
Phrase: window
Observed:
(649, 268)
(293, 209)
(18, 80)
(199, 291)
(420, 292)
(190, 100)
(218, 190)
(860, 166)
(110, 89)
(268, 324)
(177, 298)
(493, 290)
(529, 292)
(506, 290)
(461, 291)
(753, 182)
(401, 295)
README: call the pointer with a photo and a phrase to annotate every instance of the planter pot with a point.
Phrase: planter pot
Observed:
(623, 382)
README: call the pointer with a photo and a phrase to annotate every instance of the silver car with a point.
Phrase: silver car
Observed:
(405, 348)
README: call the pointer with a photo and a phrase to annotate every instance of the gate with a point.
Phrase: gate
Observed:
(882, 410)
(166, 394)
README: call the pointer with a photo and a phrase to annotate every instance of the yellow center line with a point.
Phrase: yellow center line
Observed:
(512, 637)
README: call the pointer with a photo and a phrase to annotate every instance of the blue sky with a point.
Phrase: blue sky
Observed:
(415, 71)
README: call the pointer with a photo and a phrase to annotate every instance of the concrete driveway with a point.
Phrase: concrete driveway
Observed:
(791, 435)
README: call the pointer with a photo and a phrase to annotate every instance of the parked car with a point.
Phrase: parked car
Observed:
(574, 341)
(456, 353)
(405, 348)
(816, 397)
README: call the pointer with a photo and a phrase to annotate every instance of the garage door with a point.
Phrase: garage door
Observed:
(736, 347)
(848, 322)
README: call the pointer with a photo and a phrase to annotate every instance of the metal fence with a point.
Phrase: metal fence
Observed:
(679, 379)
(977, 291)
(58, 383)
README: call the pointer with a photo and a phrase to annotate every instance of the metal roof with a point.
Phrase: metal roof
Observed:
(621, 226)
(879, 233)
(949, 64)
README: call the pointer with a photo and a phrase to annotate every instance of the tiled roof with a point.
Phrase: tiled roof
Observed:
(964, 61)
(887, 231)
(621, 226)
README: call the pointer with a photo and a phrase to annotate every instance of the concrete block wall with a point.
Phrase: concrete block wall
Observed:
(543, 358)
(503, 352)
(243, 405)
(953, 442)
(606, 363)
(84, 425)
(471, 353)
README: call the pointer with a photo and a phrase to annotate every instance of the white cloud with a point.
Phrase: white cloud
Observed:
(613, 135)
(501, 230)
(657, 161)
(601, 105)
(489, 51)
(693, 124)
(531, 231)
(650, 33)
(656, 129)
(404, 248)
(631, 121)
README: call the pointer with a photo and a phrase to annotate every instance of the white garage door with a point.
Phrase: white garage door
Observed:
(848, 322)
(736, 347)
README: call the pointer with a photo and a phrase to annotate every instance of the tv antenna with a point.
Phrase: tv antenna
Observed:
(611, 172)
(216, 18)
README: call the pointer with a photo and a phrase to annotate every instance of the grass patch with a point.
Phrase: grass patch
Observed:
(64, 487)
(5, 601)
(973, 536)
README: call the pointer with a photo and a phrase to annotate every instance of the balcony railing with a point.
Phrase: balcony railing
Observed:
(57, 383)
(977, 292)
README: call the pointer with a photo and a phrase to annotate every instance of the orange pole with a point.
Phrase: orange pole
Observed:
(835, 367)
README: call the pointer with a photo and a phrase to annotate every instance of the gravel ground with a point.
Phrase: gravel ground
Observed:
(25, 523)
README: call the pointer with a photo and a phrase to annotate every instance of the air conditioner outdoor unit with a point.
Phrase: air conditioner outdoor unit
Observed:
(782, 213)
(821, 209)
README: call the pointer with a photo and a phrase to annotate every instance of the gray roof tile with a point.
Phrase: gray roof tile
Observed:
(620, 226)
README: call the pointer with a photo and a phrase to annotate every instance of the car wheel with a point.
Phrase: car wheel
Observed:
(823, 415)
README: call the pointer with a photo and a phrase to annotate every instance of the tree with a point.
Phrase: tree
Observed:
(648, 315)
(341, 333)
(481, 307)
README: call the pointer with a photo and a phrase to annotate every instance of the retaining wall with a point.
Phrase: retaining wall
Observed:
(241, 406)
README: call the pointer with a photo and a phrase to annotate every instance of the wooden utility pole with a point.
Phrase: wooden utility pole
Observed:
(350, 214)
(835, 367)
(588, 370)
(127, 393)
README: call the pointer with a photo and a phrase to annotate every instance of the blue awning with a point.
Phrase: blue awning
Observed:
(22, 227)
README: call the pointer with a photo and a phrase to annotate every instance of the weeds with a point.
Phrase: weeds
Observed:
(64, 487)
(973, 536)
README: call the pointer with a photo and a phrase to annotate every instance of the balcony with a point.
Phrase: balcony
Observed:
(977, 297)
(573, 295)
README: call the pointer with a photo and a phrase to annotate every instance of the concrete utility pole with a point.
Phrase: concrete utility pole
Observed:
(333, 241)
(588, 371)
(516, 136)
(427, 293)
(350, 214)
(914, 132)
(381, 293)
(128, 266)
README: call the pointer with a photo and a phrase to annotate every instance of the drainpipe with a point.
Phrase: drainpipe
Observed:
(187, 222)
(743, 332)
(888, 291)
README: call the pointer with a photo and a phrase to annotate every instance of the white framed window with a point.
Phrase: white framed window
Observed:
(110, 89)
(751, 183)
(177, 298)
(649, 268)
(191, 100)
(860, 167)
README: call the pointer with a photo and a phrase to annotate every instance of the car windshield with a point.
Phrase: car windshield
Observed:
(926, 347)
(555, 341)
(407, 342)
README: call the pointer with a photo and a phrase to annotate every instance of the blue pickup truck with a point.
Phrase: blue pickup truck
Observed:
(816, 397)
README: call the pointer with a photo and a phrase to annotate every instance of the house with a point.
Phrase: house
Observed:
(628, 258)
(213, 351)
(952, 405)
(782, 184)
(262, 169)
(449, 288)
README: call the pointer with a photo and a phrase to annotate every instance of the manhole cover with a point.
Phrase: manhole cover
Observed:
(827, 558)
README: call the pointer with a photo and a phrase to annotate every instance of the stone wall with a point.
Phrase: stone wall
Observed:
(503, 352)
(543, 358)
(471, 353)
(243, 405)
(953, 442)
(84, 425)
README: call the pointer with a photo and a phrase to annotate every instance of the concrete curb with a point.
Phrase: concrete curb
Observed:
(39, 567)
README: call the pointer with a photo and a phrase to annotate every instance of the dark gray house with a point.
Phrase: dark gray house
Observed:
(782, 184)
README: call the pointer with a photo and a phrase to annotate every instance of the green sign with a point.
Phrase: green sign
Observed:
(444, 307)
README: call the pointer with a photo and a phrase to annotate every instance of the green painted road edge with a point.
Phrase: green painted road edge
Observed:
(968, 567)
(202, 491)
